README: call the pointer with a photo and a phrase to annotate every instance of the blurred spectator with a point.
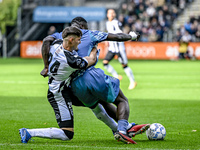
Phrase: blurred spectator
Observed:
(140, 10)
(121, 19)
(166, 11)
(161, 18)
(177, 36)
(197, 34)
(145, 19)
(124, 9)
(182, 5)
(159, 32)
(160, 4)
(51, 30)
(151, 10)
(126, 29)
(174, 13)
(153, 37)
(183, 46)
(182, 29)
(144, 36)
(138, 25)
(192, 19)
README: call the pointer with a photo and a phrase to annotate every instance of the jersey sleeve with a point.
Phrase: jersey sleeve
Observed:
(98, 36)
(57, 35)
(76, 61)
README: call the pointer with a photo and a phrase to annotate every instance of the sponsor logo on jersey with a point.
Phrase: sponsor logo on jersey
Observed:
(57, 116)
(82, 65)
(78, 62)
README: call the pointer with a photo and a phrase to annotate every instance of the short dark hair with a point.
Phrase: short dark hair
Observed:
(78, 20)
(71, 31)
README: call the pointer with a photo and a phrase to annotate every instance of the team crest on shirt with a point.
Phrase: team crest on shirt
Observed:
(57, 116)
(70, 107)
(78, 62)
(82, 64)
(58, 50)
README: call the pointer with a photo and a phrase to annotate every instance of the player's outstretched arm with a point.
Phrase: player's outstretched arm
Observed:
(92, 58)
(122, 36)
(45, 54)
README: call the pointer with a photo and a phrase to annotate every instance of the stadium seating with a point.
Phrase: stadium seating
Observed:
(155, 20)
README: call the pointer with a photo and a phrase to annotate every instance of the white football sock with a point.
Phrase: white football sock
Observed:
(129, 126)
(102, 115)
(111, 70)
(52, 133)
(129, 74)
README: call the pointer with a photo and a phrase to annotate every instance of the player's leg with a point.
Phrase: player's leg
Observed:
(122, 114)
(108, 67)
(122, 57)
(64, 116)
(122, 111)
(97, 86)
(130, 75)
(102, 115)
(110, 109)
(132, 128)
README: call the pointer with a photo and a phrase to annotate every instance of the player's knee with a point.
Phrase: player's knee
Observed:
(100, 115)
(124, 66)
(105, 62)
(69, 134)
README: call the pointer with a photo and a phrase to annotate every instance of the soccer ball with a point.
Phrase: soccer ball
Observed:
(156, 132)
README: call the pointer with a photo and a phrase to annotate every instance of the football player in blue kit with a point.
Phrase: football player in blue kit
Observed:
(92, 85)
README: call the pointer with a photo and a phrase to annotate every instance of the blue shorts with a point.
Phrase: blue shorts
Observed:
(93, 85)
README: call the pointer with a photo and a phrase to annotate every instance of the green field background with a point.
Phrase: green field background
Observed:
(168, 92)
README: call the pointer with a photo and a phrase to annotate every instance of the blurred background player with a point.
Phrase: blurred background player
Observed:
(117, 48)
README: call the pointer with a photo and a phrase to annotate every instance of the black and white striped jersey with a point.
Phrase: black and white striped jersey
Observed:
(62, 63)
(114, 27)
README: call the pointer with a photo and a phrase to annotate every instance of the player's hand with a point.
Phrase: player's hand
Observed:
(44, 72)
(134, 35)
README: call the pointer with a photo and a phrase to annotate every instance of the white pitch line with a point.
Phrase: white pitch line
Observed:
(92, 147)
(23, 82)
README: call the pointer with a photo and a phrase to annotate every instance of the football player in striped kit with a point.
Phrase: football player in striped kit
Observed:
(64, 60)
(117, 48)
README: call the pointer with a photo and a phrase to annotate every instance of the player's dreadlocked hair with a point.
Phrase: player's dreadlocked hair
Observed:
(78, 20)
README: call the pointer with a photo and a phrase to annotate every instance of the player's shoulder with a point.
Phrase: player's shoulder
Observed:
(57, 35)
(84, 31)
(89, 32)
(71, 54)
(115, 21)
(96, 32)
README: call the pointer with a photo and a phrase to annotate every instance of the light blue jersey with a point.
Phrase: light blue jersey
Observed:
(92, 85)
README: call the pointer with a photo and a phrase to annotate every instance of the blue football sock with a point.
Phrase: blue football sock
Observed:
(122, 126)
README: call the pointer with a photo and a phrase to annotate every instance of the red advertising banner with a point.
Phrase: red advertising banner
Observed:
(31, 49)
(134, 50)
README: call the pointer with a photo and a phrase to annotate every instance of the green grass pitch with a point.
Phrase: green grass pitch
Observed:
(168, 92)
